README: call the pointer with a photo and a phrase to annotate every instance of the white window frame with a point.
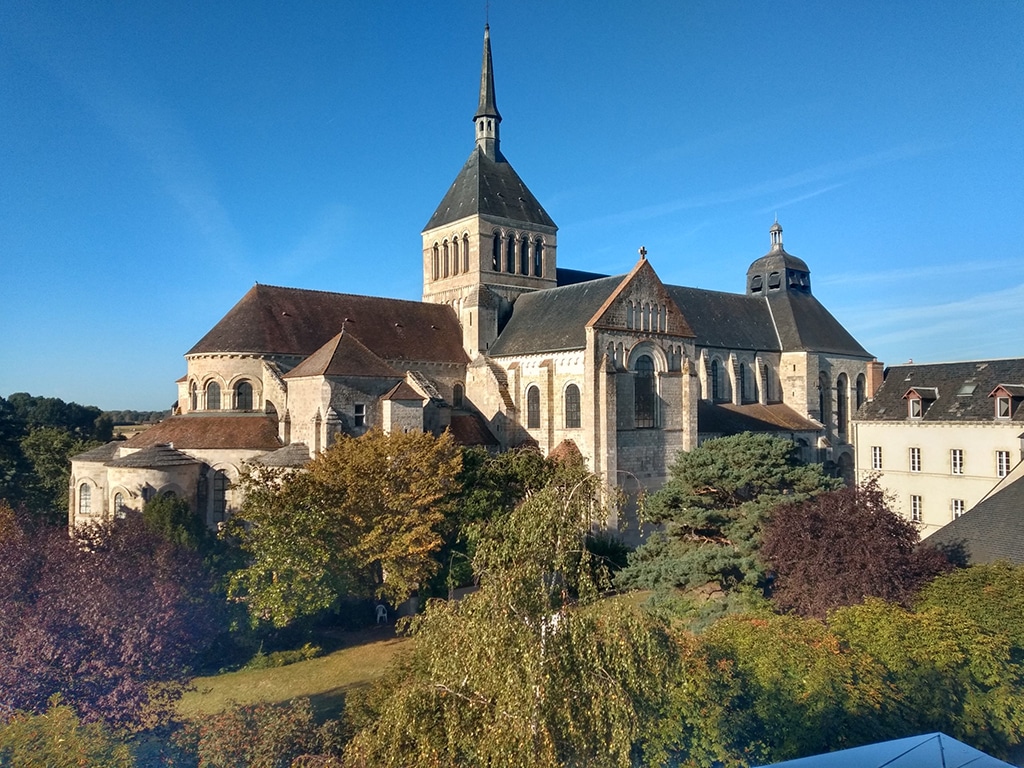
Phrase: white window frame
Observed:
(956, 507)
(915, 509)
(956, 461)
(1004, 407)
(915, 459)
(876, 457)
(1002, 463)
(915, 409)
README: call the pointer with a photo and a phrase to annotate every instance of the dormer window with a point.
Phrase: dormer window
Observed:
(1007, 398)
(774, 281)
(756, 284)
(919, 400)
(914, 408)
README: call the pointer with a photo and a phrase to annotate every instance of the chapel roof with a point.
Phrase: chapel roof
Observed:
(102, 453)
(554, 319)
(343, 355)
(210, 430)
(489, 187)
(993, 529)
(296, 321)
(154, 457)
(962, 391)
(291, 455)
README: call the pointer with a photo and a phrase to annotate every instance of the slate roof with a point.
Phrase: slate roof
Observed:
(248, 431)
(489, 187)
(402, 391)
(554, 319)
(154, 457)
(103, 453)
(730, 320)
(343, 355)
(565, 276)
(803, 323)
(949, 380)
(726, 418)
(292, 455)
(993, 529)
(295, 321)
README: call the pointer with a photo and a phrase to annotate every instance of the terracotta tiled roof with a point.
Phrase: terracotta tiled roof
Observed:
(153, 457)
(293, 321)
(343, 355)
(249, 431)
(729, 419)
(402, 391)
(470, 429)
(566, 452)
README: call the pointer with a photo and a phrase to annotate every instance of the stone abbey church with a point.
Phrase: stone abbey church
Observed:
(505, 350)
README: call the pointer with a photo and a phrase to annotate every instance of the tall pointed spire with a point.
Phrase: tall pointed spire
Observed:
(487, 117)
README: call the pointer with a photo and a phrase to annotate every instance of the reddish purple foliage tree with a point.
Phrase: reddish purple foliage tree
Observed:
(110, 617)
(842, 546)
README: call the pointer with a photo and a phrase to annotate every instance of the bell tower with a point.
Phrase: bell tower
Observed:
(490, 240)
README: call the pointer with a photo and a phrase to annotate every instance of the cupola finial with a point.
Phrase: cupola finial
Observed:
(487, 117)
(776, 235)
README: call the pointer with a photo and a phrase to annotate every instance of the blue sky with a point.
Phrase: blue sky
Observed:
(157, 159)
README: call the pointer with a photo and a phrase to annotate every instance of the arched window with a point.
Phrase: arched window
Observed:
(220, 496)
(533, 408)
(774, 281)
(84, 499)
(538, 258)
(643, 392)
(455, 256)
(510, 254)
(860, 390)
(243, 396)
(767, 383)
(458, 396)
(756, 283)
(444, 258)
(716, 386)
(842, 403)
(743, 382)
(193, 397)
(524, 256)
(465, 253)
(824, 401)
(437, 262)
(572, 407)
(496, 252)
(119, 510)
(213, 396)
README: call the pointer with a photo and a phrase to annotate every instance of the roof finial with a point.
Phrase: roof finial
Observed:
(643, 253)
(487, 117)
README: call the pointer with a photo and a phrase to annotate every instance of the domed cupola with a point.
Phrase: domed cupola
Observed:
(777, 270)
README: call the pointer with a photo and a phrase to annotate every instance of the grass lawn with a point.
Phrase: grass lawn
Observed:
(324, 680)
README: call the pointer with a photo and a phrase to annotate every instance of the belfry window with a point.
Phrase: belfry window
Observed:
(465, 253)
(496, 252)
(644, 397)
(533, 408)
(538, 257)
(572, 407)
(756, 284)
(774, 281)
(213, 396)
(243, 396)
(455, 256)
(444, 259)
(524, 256)
(436, 271)
(193, 397)
(510, 254)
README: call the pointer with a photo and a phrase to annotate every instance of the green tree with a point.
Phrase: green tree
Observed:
(532, 669)
(712, 511)
(56, 738)
(364, 518)
(49, 451)
(173, 519)
(990, 595)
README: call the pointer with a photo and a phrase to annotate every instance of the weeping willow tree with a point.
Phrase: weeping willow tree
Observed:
(532, 669)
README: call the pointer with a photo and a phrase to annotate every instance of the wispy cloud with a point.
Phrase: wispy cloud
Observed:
(799, 199)
(908, 274)
(826, 173)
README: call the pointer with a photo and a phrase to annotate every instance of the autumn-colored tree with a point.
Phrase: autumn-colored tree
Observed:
(841, 547)
(712, 510)
(990, 595)
(531, 670)
(110, 618)
(365, 517)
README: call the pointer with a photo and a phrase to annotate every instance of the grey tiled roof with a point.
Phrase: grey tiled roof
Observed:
(489, 187)
(102, 453)
(292, 455)
(962, 391)
(991, 530)
(729, 320)
(154, 457)
(554, 319)
(804, 324)
(564, 276)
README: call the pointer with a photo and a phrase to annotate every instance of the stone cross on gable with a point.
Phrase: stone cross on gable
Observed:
(643, 253)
